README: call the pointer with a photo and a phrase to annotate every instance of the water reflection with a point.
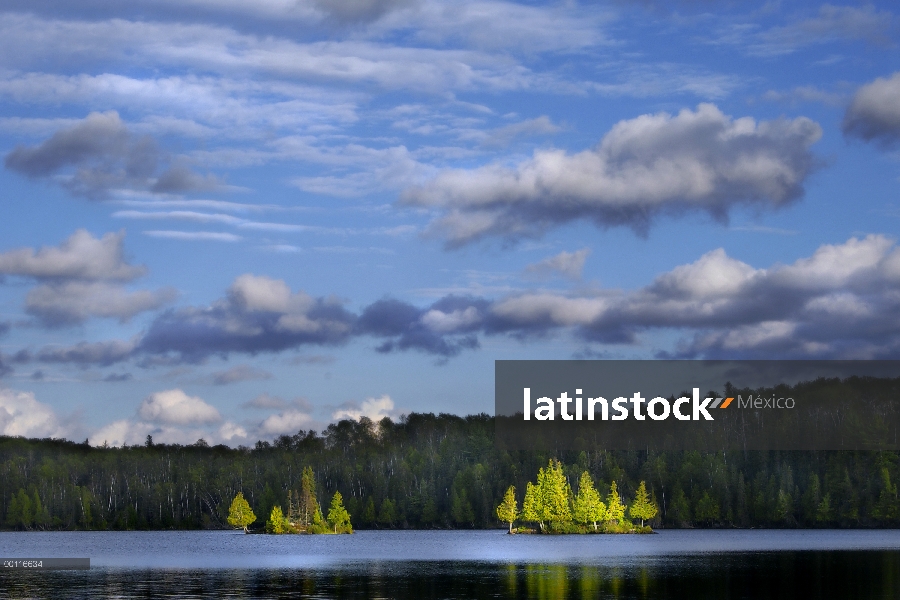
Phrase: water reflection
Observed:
(815, 575)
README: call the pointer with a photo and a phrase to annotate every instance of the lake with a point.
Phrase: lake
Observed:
(675, 564)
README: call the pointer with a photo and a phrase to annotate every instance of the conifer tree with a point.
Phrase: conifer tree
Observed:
(556, 493)
(276, 522)
(530, 505)
(615, 510)
(642, 508)
(240, 514)
(308, 506)
(509, 508)
(588, 506)
(338, 516)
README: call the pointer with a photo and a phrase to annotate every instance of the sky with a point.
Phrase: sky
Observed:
(236, 220)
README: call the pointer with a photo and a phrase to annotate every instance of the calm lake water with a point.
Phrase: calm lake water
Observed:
(461, 564)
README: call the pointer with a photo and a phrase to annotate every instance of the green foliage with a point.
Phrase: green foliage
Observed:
(508, 510)
(338, 517)
(615, 509)
(436, 471)
(555, 494)
(277, 522)
(641, 508)
(588, 506)
(387, 514)
(707, 509)
(240, 514)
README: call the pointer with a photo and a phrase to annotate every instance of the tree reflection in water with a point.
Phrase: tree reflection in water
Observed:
(816, 575)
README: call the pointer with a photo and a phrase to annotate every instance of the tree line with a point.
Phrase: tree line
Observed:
(429, 471)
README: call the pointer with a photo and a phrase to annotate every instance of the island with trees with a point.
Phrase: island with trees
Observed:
(551, 505)
(304, 515)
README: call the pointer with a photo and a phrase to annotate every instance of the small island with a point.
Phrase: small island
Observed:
(304, 515)
(551, 505)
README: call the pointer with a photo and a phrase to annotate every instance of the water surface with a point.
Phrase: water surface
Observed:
(462, 564)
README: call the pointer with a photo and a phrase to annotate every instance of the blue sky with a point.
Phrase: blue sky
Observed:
(236, 220)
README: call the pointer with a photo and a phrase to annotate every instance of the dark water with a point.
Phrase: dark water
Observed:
(445, 564)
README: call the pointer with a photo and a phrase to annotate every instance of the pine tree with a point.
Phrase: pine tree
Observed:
(554, 494)
(308, 509)
(509, 508)
(588, 506)
(642, 508)
(276, 522)
(615, 510)
(530, 505)
(338, 516)
(240, 514)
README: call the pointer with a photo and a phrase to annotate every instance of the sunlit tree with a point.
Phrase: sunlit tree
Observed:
(642, 508)
(240, 513)
(509, 508)
(615, 510)
(588, 506)
(338, 517)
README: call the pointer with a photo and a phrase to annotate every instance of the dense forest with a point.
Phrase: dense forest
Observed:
(427, 471)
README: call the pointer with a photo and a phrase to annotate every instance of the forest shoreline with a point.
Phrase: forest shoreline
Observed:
(429, 472)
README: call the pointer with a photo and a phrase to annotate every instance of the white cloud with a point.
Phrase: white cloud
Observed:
(81, 256)
(373, 408)
(698, 160)
(76, 301)
(176, 407)
(874, 113)
(286, 423)
(22, 415)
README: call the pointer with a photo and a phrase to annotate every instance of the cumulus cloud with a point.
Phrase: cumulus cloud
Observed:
(22, 415)
(700, 161)
(373, 408)
(135, 432)
(874, 112)
(445, 328)
(259, 314)
(74, 302)
(567, 264)
(238, 374)
(81, 257)
(174, 407)
(287, 422)
(100, 154)
(82, 278)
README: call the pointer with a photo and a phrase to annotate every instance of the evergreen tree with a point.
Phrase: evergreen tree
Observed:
(707, 509)
(369, 515)
(642, 508)
(555, 494)
(530, 505)
(615, 510)
(388, 513)
(588, 506)
(308, 509)
(508, 510)
(240, 514)
(276, 522)
(338, 516)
